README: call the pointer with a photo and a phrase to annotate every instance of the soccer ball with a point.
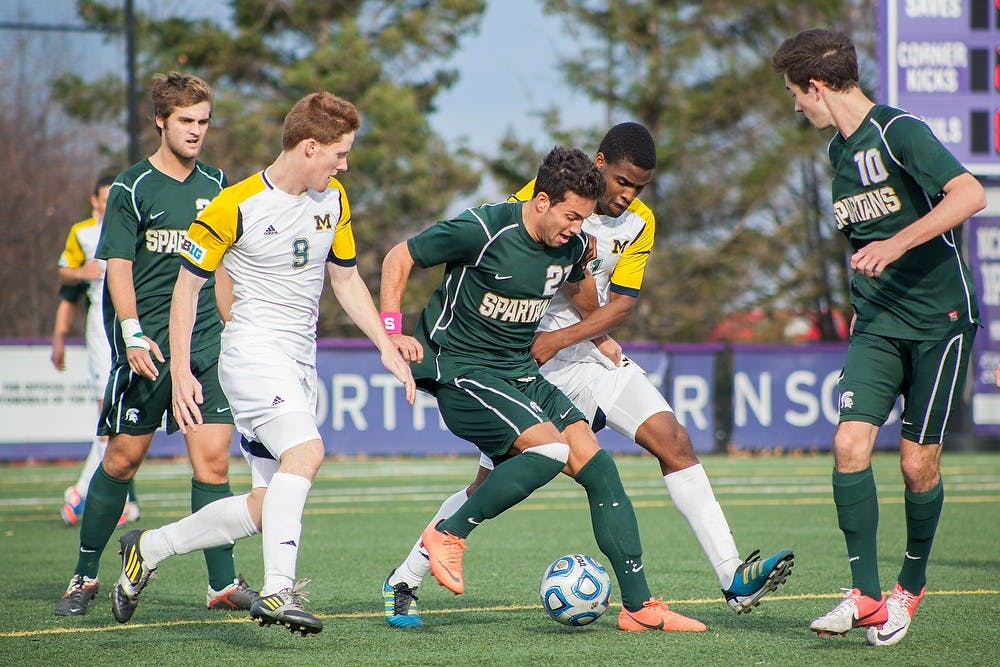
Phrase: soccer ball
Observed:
(575, 590)
(73, 505)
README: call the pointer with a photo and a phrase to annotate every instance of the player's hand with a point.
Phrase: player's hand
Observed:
(58, 355)
(140, 358)
(546, 346)
(400, 368)
(186, 399)
(609, 347)
(92, 270)
(874, 257)
(409, 347)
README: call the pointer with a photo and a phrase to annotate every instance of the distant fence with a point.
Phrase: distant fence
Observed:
(750, 397)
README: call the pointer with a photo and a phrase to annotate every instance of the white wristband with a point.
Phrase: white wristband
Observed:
(132, 334)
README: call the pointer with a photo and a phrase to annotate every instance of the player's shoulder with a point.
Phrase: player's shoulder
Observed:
(140, 171)
(495, 216)
(892, 120)
(210, 173)
(640, 209)
(78, 227)
(237, 193)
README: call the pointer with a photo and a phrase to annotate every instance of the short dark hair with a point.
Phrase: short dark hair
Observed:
(568, 170)
(819, 54)
(629, 142)
(103, 181)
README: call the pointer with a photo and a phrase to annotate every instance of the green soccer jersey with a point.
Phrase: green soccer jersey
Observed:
(886, 175)
(498, 283)
(146, 221)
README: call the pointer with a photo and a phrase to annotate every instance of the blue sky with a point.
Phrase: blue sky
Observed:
(499, 87)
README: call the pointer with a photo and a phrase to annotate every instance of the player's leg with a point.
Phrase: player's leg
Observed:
(498, 416)
(209, 451)
(872, 378)
(293, 439)
(616, 531)
(219, 523)
(938, 370)
(399, 590)
(255, 373)
(107, 494)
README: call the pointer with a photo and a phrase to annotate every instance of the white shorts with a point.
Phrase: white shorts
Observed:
(98, 353)
(623, 393)
(262, 384)
(261, 469)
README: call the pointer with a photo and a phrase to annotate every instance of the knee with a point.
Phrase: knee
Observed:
(918, 475)
(851, 453)
(664, 437)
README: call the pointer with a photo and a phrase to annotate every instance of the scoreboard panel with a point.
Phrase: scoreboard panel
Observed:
(940, 60)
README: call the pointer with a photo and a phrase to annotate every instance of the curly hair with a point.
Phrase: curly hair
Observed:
(568, 170)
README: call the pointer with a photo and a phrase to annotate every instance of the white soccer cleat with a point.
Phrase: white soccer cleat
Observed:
(901, 605)
(855, 610)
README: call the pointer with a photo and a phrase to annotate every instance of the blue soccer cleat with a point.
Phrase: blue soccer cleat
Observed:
(755, 578)
(401, 605)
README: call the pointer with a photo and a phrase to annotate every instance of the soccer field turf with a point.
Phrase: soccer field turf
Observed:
(363, 515)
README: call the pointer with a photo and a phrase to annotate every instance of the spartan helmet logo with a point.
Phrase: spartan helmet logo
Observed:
(132, 415)
(847, 400)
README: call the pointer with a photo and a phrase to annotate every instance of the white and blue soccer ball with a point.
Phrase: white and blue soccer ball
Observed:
(575, 590)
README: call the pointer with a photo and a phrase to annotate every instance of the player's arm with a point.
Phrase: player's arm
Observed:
(594, 326)
(356, 300)
(137, 346)
(224, 293)
(65, 312)
(396, 269)
(186, 392)
(963, 197)
(89, 270)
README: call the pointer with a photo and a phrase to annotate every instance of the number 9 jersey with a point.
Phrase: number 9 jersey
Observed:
(274, 246)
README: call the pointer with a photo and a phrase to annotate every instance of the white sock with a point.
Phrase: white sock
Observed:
(219, 523)
(692, 494)
(284, 503)
(417, 565)
(94, 458)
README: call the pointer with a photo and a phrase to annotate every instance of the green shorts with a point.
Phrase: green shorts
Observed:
(491, 412)
(928, 374)
(136, 406)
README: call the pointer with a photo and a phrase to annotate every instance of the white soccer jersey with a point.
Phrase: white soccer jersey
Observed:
(623, 247)
(81, 247)
(275, 247)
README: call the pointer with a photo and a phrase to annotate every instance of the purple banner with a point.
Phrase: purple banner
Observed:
(788, 397)
(984, 259)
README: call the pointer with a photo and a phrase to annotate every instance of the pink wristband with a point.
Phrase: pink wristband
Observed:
(392, 322)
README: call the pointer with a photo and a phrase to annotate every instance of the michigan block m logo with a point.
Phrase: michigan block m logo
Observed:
(323, 222)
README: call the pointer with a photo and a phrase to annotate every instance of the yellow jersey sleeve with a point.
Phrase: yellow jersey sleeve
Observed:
(211, 234)
(525, 193)
(72, 256)
(343, 251)
(628, 273)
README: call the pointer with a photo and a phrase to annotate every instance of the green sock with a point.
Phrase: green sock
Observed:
(105, 500)
(615, 527)
(857, 512)
(510, 482)
(922, 513)
(221, 569)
